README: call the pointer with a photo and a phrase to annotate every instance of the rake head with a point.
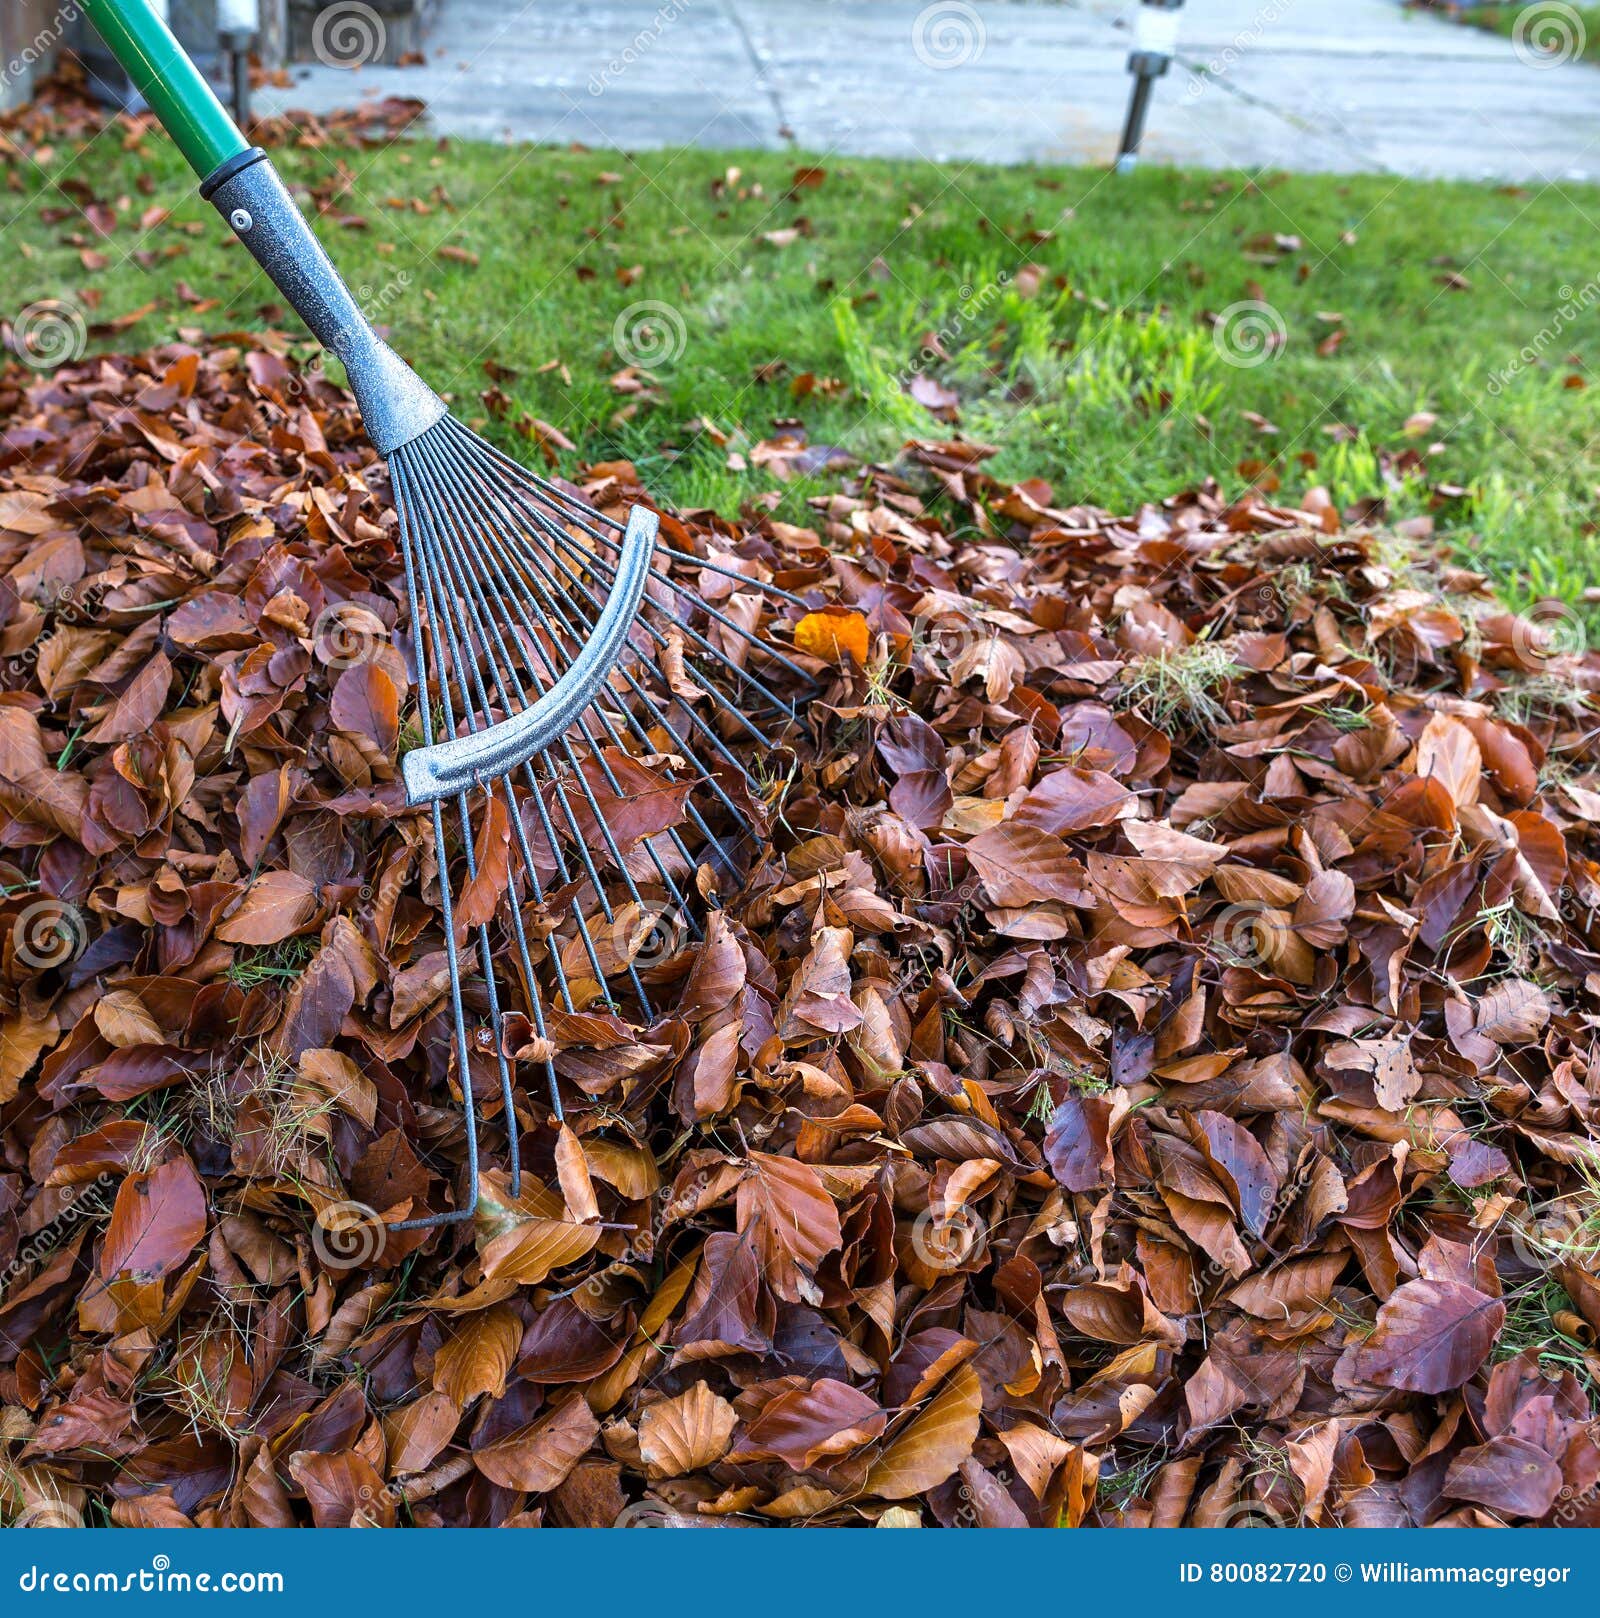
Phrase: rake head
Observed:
(587, 697)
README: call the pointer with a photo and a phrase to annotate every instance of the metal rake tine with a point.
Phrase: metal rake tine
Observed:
(560, 537)
(457, 562)
(563, 869)
(438, 625)
(517, 606)
(463, 1059)
(535, 1001)
(585, 516)
(718, 699)
(768, 695)
(548, 587)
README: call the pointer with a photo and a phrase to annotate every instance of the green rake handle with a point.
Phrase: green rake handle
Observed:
(163, 74)
(239, 181)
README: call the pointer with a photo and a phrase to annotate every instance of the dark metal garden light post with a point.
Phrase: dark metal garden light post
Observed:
(238, 24)
(1155, 42)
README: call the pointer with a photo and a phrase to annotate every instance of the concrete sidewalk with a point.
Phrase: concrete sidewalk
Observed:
(1298, 84)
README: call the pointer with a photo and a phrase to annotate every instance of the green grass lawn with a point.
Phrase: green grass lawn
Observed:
(1549, 26)
(1070, 313)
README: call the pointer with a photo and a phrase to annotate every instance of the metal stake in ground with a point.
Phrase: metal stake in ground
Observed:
(238, 24)
(1155, 43)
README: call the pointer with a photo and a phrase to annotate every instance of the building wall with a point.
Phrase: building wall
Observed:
(31, 31)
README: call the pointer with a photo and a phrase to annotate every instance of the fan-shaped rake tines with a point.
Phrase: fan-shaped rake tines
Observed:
(583, 712)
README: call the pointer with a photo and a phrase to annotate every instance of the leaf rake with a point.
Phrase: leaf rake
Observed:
(561, 658)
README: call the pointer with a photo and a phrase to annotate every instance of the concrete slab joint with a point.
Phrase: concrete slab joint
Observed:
(380, 33)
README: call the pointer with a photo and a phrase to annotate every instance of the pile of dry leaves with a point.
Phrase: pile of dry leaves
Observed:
(63, 112)
(1147, 1082)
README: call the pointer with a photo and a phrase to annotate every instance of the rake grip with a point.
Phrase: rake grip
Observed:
(432, 774)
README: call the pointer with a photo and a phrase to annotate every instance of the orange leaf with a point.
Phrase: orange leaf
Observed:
(158, 1221)
(833, 635)
(478, 1354)
(933, 1444)
(492, 875)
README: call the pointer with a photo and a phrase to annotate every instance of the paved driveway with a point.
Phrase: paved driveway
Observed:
(1302, 84)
